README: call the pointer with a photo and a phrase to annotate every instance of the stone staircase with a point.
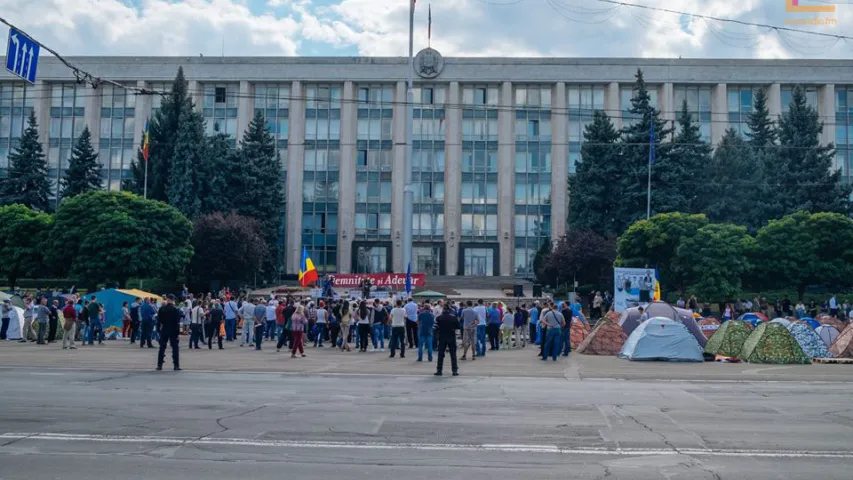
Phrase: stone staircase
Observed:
(451, 285)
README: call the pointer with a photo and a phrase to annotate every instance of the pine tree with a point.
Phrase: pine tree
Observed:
(220, 164)
(261, 195)
(636, 138)
(26, 181)
(163, 133)
(595, 189)
(762, 131)
(686, 163)
(184, 186)
(84, 171)
(804, 177)
(729, 190)
(136, 182)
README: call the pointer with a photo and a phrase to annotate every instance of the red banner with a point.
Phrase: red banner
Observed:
(394, 280)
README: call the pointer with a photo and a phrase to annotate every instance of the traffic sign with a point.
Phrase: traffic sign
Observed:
(22, 55)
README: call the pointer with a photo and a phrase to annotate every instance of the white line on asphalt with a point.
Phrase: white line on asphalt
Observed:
(503, 448)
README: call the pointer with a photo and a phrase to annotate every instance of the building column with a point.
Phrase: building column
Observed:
(196, 92)
(295, 175)
(506, 179)
(142, 112)
(774, 101)
(719, 112)
(398, 176)
(559, 162)
(453, 179)
(346, 188)
(245, 108)
(826, 109)
(666, 100)
(611, 104)
(92, 115)
(41, 109)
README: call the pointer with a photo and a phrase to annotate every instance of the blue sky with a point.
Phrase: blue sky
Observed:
(580, 28)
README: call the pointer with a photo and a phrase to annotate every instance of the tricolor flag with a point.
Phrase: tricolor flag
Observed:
(307, 272)
(145, 141)
(656, 297)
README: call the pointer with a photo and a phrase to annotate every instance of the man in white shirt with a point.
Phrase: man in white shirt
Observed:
(399, 318)
(411, 322)
(480, 310)
(270, 320)
(230, 309)
(247, 313)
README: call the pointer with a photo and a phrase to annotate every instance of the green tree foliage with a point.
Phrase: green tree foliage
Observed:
(113, 236)
(714, 260)
(227, 247)
(164, 128)
(26, 180)
(636, 139)
(84, 171)
(219, 168)
(762, 131)
(185, 179)
(732, 184)
(595, 190)
(803, 176)
(23, 235)
(806, 249)
(582, 255)
(654, 242)
(674, 176)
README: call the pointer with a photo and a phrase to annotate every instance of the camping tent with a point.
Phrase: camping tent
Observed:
(811, 321)
(753, 317)
(662, 339)
(809, 341)
(630, 318)
(843, 345)
(606, 338)
(112, 299)
(827, 333)
(773, 343)
(830, 320)
(709, 326)
(16, 300)
(579, 332)
(783, 321)
(16, 323)
(729, 338)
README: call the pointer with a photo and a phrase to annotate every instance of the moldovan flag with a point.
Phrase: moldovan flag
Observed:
(145, 141)
(307, 273)
(657, 287)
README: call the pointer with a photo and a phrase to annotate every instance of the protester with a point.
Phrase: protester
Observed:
(42, 313)
(246, 315)
(411, 322)
(469, 332)
(69, 314)
(297, 328)
(398, 329)
(426, 323)
(168, 326)
(507, 327)
(447, 325)
(216, 324)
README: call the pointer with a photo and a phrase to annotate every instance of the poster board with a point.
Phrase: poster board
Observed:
(632, 287)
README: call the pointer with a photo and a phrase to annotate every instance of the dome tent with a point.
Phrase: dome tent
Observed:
(662, 339)
(579, 332)
(783, 321)
(842, 347)
(709, 326)
(808, 340)
(773, 343)
(729, 338)
(828, 334)
(606, 338)
(630, 318)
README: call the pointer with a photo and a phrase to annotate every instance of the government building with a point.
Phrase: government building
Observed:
(495, 139)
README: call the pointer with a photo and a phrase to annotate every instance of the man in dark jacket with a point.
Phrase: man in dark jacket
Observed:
(217, 318)
(446, 324)
(146, 313)
(168, 326)
(134, 319)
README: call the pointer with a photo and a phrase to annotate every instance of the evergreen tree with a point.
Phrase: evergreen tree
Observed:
(762, 131)
(594, 191)
(163, 134)
(729, 193)
(804, 177)
(218, 167)
(185, 180)
(636, 137)
(84, 171)
(261, 193)
(674, 175)
(136, 182)
(26, 180)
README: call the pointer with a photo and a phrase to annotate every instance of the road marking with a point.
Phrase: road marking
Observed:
(503, 448)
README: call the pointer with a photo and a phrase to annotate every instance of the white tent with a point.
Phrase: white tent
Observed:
(16, 324)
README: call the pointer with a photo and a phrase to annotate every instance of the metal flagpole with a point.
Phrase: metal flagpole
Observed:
(408, 194)
(145, 184)
(651, 162)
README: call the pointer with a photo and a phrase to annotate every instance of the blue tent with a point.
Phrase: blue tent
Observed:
(811, 321)
(112, 300)
(662, 339)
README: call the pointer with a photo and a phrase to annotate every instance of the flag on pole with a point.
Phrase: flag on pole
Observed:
(307, 272)
(656, 298)
(145, 142)
(429, 23)
(409, 280)
(652, 142)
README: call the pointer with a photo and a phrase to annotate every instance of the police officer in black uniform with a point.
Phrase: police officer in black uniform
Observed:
(447, 323)
(168, 325)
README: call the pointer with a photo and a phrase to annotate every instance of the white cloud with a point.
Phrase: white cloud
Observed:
(380, 27)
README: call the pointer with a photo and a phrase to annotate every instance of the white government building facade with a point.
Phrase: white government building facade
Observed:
(495, 139)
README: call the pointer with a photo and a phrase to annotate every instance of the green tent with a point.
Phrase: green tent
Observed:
(773, 343)
(429, 294)
(728, 339)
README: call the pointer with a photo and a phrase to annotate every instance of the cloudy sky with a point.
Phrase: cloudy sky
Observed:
(576, 28)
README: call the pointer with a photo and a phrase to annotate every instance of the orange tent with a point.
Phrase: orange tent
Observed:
(579, 332)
